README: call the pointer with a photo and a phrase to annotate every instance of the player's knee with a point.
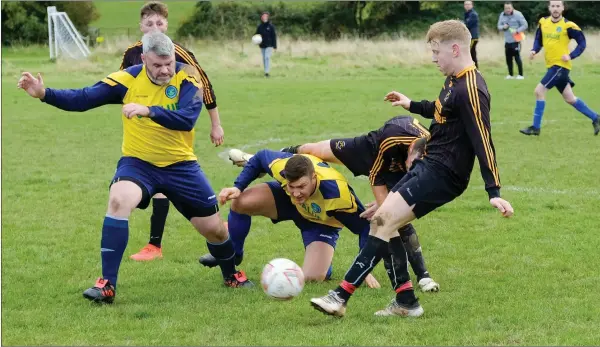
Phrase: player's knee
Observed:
(308, 148)
(119, 205)
(212, 228)
(240, 205)
(570, 99)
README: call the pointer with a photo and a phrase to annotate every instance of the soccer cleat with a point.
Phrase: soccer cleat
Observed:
(427, 284)
(402, 310)
(238, 280)
(290, 149)
(102, 292)
(330, 304)
(239, 158)
(209, 261)
(596, 125)
(531, 130)
(149, 252)
(509, 77)
(520, 77)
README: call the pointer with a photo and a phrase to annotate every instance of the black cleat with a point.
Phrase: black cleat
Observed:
(238, 280)
(102, 292)
(290, 149)
(596, 125)
(209, 261)
(530, 131)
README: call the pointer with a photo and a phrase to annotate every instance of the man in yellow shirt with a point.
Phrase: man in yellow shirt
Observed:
(554, 34)
(161, 103)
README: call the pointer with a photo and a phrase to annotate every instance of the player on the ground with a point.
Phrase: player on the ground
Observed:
(554, 34)
(154, 16)
(384, 155)
(307, 191)
(460, 131)
(161, 103)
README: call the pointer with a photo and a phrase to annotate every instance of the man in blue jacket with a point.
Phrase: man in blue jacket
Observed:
(269, 40)
(472, 23)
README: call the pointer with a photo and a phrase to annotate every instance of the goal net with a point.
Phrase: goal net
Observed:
(63, 39)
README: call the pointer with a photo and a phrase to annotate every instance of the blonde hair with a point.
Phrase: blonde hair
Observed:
(449, 31)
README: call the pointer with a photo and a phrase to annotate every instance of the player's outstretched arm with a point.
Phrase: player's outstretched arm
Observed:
(257, 165)
(424, 108)
(102, 93)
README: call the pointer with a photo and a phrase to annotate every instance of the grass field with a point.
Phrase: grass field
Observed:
(529, 280)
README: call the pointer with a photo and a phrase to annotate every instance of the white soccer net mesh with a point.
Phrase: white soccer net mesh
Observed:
(64, 39)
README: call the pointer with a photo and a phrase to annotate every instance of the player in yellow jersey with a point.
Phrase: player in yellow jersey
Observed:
(154, 16)
(305, 190)
(554, 34)
(161, 103)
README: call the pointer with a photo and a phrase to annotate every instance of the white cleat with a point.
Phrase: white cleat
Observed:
(396, 309)
(239, 158)
(509, 77)
(330, 304)
(428, 285)
(520, 77)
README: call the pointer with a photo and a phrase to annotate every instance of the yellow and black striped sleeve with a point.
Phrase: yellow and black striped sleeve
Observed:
(474, 108)
(132, 56)
(182, 55)
(384, 157)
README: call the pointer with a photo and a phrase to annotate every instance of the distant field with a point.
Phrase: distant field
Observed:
(122, 17)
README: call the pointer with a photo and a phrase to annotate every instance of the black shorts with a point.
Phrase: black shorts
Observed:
(356, 153)
(428, 186)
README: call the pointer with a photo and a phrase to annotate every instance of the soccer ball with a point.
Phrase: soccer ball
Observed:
(282, 279)
(256, 39)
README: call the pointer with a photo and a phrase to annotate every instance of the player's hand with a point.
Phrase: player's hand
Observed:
(566, 57)
(398, 99)
(132, 109)
(532, 55)
(217, 135)
(372, 281)
(370, 211)
(503, 206)
(33, 86)
(228, 194)
(506, 26)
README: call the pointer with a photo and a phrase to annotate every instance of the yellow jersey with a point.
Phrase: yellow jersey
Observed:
(163, 138)
(554, 37)
(332, 194)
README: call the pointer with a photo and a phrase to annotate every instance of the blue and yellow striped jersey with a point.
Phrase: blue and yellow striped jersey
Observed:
(555, 38)
(167, 135)
(332, 194)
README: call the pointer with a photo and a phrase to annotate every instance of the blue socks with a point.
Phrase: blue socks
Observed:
(538, 113)
(225, 255)
(239, 227)
(583, 108)
(115, 234)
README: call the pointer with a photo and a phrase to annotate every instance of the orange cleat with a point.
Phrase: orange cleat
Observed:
(150, 252)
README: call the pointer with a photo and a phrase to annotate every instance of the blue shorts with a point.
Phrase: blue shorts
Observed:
(183, 183)
(557, 76)
(311, 231)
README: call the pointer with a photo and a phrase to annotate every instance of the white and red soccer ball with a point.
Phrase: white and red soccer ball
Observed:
(282, 279)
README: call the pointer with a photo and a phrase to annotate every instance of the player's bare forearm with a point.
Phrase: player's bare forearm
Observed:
(215, 119)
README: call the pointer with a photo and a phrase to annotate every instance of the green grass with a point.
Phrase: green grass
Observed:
(529, 280)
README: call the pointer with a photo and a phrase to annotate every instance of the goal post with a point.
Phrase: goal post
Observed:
(63, 38)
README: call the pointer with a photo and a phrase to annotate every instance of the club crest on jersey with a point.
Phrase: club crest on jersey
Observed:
(340, 144)
(316, 208)
(558, 29)
(171, 92)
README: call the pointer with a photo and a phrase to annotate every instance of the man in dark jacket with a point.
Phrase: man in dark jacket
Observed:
(472, 23)
(269, 40)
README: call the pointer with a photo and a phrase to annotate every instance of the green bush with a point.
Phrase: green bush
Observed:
(27, 22)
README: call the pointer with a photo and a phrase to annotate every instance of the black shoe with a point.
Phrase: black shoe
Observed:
(596, 125)
(267, 75)
(530, 131)
(290, 149)
(102, 292)
(238, 280)
(209, 261)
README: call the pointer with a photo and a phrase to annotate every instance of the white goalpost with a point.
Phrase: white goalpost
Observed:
(63, 38)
